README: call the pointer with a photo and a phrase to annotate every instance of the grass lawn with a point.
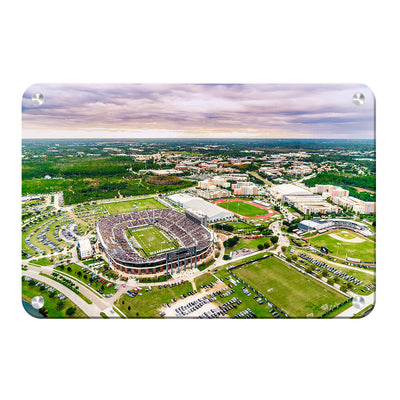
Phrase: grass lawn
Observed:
(295, 293)
(41, 262)
(204, 279)
(151, 240)
(128, 206)
(364, 251)
(29, 292)
(93, 283)
(241, 208)
(241, 226)
(248, 243)
(147, 305)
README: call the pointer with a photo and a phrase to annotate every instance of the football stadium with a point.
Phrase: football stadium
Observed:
(156, 241)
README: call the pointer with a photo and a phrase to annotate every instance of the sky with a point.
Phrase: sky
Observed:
(316, 111)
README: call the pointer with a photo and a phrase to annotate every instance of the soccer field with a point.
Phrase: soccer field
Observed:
(242, 208)
(120, 207)
(151, 240)
(297, 294)
(365, 250)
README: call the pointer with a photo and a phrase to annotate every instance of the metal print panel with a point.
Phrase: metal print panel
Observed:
(198, 201)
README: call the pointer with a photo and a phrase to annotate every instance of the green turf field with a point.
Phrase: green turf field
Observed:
(151, 240)
(128, 206)
(147, 305)
(364, 251)
(241, 208)
(295, 293)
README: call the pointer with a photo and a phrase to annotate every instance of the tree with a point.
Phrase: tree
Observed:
(266, 245)
(294, 257)
(330, 281)
(336, 279)
(289, 258)
(325, 273)
(226, 257)
(79, 273)
(70, 311)
(69, 269)
(274, 239)
(349, 285)
(60, 304)
(129, 308)
(260, 246)
(284, 248)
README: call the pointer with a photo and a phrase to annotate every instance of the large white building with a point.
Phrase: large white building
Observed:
(201, 207)
(85, 248)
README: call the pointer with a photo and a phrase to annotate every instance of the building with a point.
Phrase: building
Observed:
(200, 206)
(213, 193)
(235, 177)
(286, 189)
(245, 189)
(322, 226)
(303, 199)
(85, 248)
(216, 181)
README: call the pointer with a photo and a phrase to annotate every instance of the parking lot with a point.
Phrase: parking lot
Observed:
(192, 306)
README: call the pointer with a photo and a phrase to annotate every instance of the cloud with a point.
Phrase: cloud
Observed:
(197, 110)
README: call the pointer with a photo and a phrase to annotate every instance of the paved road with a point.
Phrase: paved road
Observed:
(100, 304)
(370, 299)
(91, 310)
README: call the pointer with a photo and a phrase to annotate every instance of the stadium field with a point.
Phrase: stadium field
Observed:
(120, 207)
(243, 208)
(297, 294)
(151, 240)
(350, 245)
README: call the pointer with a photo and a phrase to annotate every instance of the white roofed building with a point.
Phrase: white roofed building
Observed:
(85, 248)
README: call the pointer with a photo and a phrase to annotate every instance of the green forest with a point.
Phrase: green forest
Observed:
(348, 182)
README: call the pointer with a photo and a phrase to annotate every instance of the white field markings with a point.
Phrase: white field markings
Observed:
(145, 239)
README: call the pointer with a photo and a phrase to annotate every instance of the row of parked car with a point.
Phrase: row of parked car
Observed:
(48, 288)
(333, 270)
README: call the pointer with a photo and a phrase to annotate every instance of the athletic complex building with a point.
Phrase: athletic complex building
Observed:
(190, 241)
(322, 226)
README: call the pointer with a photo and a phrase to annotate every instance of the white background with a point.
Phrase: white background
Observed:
(203, 41)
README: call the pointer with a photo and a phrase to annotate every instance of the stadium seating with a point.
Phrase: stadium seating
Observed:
(188, 233)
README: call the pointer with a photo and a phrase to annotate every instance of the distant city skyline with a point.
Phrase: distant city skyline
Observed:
(134, 111)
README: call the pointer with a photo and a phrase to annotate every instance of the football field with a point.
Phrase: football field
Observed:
(120, 207)
(297, 294)
(151, 240)
(243, 208)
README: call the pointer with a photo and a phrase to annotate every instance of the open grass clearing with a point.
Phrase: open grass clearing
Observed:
(297, 294)
(147, 305)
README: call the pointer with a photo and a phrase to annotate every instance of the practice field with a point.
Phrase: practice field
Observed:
(120, 207)
(297, 294)
(151, 240)
(245, 209)
(350, 245)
